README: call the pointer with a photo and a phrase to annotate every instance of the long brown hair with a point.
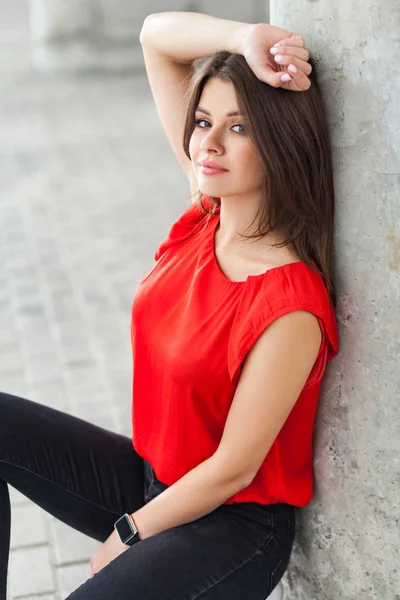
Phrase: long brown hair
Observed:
(289, 132)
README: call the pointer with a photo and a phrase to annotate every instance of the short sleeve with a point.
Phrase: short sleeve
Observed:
(188, 223)
(278, 292)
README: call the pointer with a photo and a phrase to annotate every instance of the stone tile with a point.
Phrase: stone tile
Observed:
(77, 354)
(70, 546)
(11, 360)
(42, 345)
(85, 376)
(71, 577)
(30, 572)
(16, 498)
(124, 425)
(51, 393)
(28, 526)
(15, 384)
(8, 334)
(42, 371)
(102, 416)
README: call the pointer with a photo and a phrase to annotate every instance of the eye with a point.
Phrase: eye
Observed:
(239, 125)
(198, 121)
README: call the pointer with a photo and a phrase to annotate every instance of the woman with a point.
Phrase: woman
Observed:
(231, 334)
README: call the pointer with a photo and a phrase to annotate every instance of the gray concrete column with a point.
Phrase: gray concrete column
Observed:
(348, 538)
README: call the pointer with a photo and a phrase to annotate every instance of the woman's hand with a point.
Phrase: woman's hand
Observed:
(111, 548)
(258, 44)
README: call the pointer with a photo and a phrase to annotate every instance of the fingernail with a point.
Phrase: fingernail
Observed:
(279, 57)
(286, 77)
(292, 68)
(274, 50)
(277, 44)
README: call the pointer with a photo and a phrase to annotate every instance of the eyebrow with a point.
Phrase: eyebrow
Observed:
(233, 113)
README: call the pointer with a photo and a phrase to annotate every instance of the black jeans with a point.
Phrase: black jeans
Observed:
(87, 477)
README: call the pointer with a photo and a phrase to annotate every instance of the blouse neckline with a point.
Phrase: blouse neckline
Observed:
(218, 270)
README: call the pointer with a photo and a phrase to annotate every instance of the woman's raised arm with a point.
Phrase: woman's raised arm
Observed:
(171, 41)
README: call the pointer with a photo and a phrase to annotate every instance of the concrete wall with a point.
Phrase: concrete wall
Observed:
(348, 538)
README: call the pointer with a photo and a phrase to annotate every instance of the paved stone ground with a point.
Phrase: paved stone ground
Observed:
(89, 187)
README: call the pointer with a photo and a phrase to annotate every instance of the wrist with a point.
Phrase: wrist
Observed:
(134, 525)
(241, 36)
(137, 525)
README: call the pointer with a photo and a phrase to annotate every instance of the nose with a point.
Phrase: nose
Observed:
(211, 142)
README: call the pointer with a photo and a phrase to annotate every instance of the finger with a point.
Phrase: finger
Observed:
(294, 40)
(275, 79)
(296, 82)
(299, 81)
(291, 51)
(286, 60)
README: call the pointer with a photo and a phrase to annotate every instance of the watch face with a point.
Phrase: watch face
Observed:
(124, 528)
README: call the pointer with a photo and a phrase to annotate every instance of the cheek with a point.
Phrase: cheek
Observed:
(248, 161)
(193, 146)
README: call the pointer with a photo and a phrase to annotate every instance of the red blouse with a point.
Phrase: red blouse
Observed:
(191, 331)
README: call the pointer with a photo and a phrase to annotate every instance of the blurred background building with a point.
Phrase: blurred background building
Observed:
(104, 34)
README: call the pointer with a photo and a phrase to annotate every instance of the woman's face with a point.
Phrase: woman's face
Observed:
(224, 140)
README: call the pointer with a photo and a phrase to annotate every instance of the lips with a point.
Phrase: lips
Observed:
(211, 165)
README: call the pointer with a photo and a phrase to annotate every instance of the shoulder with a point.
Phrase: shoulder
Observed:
(293, 288)
(289, 285)
(296, 280)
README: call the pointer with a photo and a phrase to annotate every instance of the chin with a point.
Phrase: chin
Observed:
(217, 192)
(214, 193)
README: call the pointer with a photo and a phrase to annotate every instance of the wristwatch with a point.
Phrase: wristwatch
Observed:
(127, 530)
